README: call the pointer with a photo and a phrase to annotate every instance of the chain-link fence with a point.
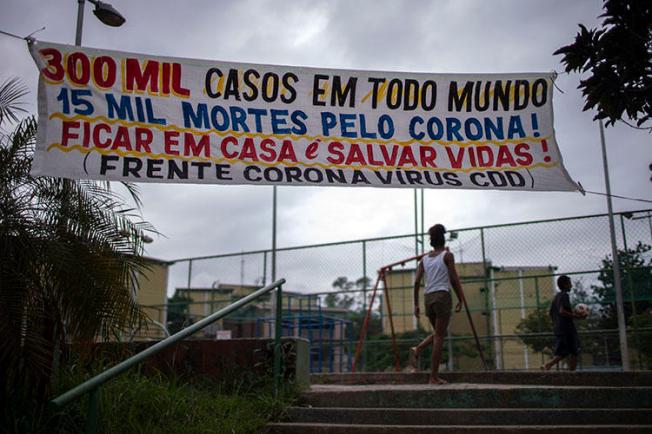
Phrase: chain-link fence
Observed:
(509, 277)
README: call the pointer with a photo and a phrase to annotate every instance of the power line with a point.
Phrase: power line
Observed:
(27, 38)
(10, 34)
(618, 196)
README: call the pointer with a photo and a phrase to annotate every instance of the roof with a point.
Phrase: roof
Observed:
(219, 290)
(225, 288)
(158, 261)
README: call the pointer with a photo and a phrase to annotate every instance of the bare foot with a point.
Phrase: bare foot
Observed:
(437, 381)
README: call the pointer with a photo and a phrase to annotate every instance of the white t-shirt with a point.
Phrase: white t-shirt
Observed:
(436, 272)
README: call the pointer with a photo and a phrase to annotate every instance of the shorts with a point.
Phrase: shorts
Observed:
(567, 344)
(438, 303)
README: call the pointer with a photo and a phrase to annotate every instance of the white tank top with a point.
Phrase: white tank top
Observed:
(436, 272)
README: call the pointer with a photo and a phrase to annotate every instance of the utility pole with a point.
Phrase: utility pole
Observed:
(622, 326)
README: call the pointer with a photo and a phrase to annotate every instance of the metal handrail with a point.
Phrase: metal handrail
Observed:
(92, 385)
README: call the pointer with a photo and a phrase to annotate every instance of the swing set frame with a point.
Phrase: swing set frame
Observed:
(382, 277)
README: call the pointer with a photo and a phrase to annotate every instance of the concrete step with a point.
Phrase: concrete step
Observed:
(474, 402)
(552, 378)
(302, 428)
(461, 395)
(475, 416)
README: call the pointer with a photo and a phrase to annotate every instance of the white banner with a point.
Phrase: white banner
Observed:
(113, 115)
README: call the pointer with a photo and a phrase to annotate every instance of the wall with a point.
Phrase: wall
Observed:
(217, 360)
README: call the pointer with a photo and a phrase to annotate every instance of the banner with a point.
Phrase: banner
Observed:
(112, 115)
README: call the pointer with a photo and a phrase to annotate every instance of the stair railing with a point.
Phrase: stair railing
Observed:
(92, 385)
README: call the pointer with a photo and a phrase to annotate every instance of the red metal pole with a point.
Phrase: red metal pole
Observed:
(397, 359)
(365, 325)
(413, 258)
(475, 334)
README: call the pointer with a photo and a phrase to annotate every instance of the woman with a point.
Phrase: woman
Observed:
(438, 266)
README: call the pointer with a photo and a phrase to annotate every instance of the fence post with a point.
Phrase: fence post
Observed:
(348, 354)
(93, 411)
(189, 273)
(423, 229)
(364, 295)
(497, 327)
(277, 339)
(341, 339)
(310, 333)
(486, 291)
(321, 337)
(416, 225)
(364, 275)
(536, 291)
(264, 268)
(526, 356)
(630, 287)
(331, 358)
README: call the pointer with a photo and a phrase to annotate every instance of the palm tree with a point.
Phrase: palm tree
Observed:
(69, 254)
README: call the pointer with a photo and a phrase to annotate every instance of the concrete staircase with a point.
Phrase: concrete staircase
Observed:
(474, 402)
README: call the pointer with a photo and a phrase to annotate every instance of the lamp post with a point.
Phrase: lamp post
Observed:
(620, 312)
(103, 11)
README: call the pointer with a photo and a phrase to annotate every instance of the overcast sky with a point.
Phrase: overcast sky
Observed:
(417, 36)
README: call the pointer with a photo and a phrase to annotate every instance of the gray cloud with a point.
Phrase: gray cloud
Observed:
(439, 36)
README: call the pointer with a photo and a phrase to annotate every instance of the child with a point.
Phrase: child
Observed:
(567, 343)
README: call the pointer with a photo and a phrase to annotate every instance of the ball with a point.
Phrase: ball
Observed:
(582, 309)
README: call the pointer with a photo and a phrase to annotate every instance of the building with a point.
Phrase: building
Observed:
(151, 295)
(497, 300)
(205, 301)
(326, 328)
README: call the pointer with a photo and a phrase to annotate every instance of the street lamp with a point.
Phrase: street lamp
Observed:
(103, 11)
(620, 310)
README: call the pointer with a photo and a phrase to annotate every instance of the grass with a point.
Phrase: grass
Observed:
(135, 403)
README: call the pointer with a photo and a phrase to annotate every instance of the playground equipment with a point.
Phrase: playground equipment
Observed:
(382, 277)
(329, 336)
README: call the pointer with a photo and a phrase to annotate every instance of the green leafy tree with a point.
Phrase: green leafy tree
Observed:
(354, 304)
(70, 251)
(618, 58)
(11, 105)
(532, 326)
(636, 283)
(536, 329)
(343, 300)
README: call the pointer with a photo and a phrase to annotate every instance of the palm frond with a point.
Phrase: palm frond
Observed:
(70, 252)
(11, 93)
